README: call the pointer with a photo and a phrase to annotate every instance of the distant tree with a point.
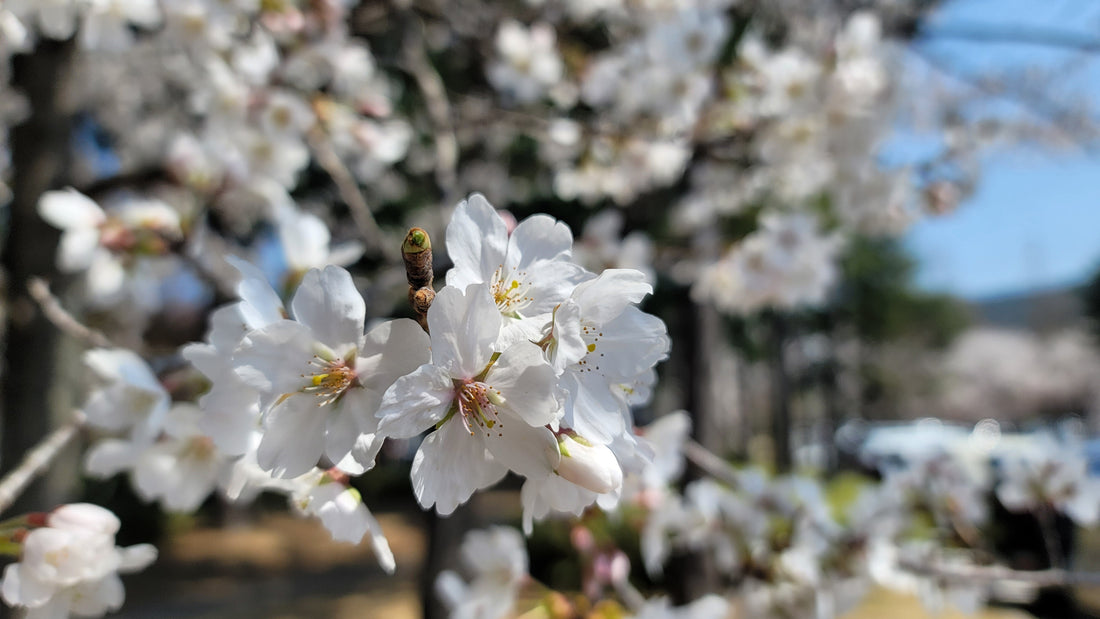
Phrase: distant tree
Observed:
(1090, 297)
(878, 298)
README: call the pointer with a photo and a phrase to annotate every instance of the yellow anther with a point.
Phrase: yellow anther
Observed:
(319, 378)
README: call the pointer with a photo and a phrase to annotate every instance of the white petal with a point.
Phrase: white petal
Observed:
(110, 457)
(70, 209)
(539, 237)
(450, 466)
(531, 452)
(260, 305)
(567, 346)
(77, 249)
(415, 402)
(273, 359)
(527, 383)
(22, 588)
(450, 588)
(305, 239)
(464, 325)
(341, 428)
(476, 241)
(294, 438)
(330, 305)
(93, 599)
(341, 511)
(604, 298)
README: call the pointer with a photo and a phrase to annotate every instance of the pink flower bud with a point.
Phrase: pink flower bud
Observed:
(582, 539)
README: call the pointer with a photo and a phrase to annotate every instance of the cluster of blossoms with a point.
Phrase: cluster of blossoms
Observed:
(532, 366)
(497, 561)
(786, 264)
(217, 108)
(200, 120)
(678, 94)
(68, 563)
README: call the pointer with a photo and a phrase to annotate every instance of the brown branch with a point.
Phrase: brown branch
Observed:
(37, 460)
(438, 106)
(711, 464)
(61, 318)
(348, 187)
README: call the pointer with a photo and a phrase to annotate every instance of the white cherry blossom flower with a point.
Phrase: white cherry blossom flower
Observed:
(231, 408)
(106, 25)
(79, 218)
(56, 19)
(490, 409)
(306, 242)
(599, 339)
(71, 565)
(1050, 473)
(342, 511)
(528, 63)
(129, 398)
(528, 272)
(320, 379)
(179, 471)
(497, 560)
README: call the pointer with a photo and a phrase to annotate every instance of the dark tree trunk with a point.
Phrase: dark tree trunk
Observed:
(781, 395)
(691, 575)
(444, 539)
(39, 147)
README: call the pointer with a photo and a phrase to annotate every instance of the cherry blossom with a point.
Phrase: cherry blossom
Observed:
(71, 565)
(490, 408)
(320, 378)
(528, 271)
(342, 511)
(497, 560)
(129, 397)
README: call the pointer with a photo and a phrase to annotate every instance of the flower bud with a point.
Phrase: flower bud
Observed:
(84, 517)
(590, 466)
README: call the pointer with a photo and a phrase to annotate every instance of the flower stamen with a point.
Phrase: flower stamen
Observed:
(477, 405)
(330, 380)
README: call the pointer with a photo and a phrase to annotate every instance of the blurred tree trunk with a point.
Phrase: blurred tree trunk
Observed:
(691, 575)
(781, 394)
(39, 147)
(834, 412)
(744, 421)
(444, 539)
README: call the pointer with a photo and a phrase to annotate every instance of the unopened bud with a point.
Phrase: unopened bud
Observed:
(590, 466)
(84, 517)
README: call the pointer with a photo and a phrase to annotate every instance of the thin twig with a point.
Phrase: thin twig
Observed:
(713, 465)
(1051, 539)
(37, 460)
(62, 319)
(348, 187)
(1045, 110)
(998, 573)
(439, 108)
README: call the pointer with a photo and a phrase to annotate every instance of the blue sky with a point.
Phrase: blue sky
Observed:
(1034, 219)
